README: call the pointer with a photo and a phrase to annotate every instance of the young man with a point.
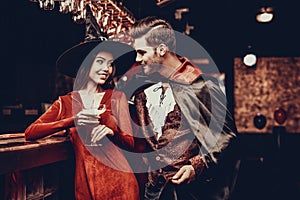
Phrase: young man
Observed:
(187, 130)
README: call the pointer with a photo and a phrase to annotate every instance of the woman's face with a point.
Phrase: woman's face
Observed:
(101, 68)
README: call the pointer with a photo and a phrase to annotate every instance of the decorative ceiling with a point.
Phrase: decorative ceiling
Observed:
(32, 38)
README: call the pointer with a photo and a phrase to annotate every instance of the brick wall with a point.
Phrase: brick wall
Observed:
(274, 82)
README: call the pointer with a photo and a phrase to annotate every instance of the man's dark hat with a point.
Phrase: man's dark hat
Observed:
(70, 61)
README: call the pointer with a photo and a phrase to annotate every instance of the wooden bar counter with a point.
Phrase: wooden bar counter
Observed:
(41, 169)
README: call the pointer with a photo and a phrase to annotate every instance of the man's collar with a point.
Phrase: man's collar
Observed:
(186, 72)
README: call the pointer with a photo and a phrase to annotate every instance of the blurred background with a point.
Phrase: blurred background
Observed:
(33, 38)
(263, 95)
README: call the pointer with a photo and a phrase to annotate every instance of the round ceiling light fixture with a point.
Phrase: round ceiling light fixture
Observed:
(265, 15)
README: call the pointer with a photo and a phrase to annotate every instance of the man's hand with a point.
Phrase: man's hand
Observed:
(185, 173)
(99, 132)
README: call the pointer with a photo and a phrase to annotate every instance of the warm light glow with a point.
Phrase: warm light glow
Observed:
(106, 12)
(265, 15)
(250, 60)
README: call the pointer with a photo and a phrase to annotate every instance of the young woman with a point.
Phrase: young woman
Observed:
(102, 171)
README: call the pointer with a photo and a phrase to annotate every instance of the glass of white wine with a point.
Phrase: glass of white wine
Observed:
(93, 109)
(96, 112)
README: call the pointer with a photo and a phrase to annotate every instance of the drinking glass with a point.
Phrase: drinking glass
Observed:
(97, 111)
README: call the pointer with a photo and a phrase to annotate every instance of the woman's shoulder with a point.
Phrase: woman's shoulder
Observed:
(116, 94)
(67, 97)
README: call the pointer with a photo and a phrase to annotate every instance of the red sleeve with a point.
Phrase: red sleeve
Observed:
(120, 122)
(48, 123)
(124, 120)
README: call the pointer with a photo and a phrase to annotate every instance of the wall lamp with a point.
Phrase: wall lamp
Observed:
(250, 58)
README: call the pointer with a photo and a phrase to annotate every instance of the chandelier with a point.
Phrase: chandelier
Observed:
(112, 17)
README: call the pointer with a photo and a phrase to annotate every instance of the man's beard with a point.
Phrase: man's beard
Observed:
(151, 68)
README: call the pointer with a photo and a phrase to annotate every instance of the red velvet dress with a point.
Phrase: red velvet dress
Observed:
(101, 172)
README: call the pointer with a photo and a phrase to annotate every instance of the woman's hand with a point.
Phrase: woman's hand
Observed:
(88, 117)
(99, 132)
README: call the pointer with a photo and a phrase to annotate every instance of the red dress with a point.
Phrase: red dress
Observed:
(101, 172)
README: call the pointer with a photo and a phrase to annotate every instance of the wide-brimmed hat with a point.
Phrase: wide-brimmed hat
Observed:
(70, 60)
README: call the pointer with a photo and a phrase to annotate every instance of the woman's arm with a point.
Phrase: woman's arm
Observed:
(119, 121)
(50, 122)
(126, 136)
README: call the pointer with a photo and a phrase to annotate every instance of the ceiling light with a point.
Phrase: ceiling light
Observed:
(108, 13)
(162, 3)
(265, 14)
(250, 60)
(179, 11)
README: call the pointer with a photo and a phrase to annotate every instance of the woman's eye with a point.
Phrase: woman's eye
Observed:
(99, 61)
(110, 64)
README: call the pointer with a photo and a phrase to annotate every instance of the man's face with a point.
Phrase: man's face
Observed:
(147, 56)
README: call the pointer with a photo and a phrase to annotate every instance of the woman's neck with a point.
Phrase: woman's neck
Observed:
(92, 88)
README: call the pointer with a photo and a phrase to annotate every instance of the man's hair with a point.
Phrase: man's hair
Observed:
(156, 31)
